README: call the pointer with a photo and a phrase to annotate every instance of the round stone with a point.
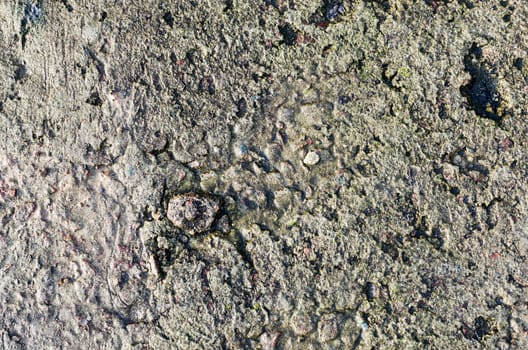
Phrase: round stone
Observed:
(192, 213)
(311, 158)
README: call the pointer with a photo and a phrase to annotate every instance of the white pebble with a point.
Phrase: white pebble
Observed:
(311, 158)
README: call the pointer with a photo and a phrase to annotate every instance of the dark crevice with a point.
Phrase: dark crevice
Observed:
(239, 243)
(481, 92)
(289, 35)
(99, 65)
(68, 6)
(387, 79)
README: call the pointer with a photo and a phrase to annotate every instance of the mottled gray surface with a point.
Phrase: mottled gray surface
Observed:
(368, 160)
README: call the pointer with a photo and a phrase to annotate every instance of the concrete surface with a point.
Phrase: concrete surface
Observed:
(343, 174)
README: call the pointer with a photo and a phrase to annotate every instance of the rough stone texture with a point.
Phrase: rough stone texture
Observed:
(410, 232)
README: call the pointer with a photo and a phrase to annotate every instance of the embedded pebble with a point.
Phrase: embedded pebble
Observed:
(208, 181)
(327, 328)
(192, 213)
(283, 198)
(311, 158)
(301, 323)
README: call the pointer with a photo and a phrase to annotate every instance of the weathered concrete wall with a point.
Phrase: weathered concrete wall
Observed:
(263, 174)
